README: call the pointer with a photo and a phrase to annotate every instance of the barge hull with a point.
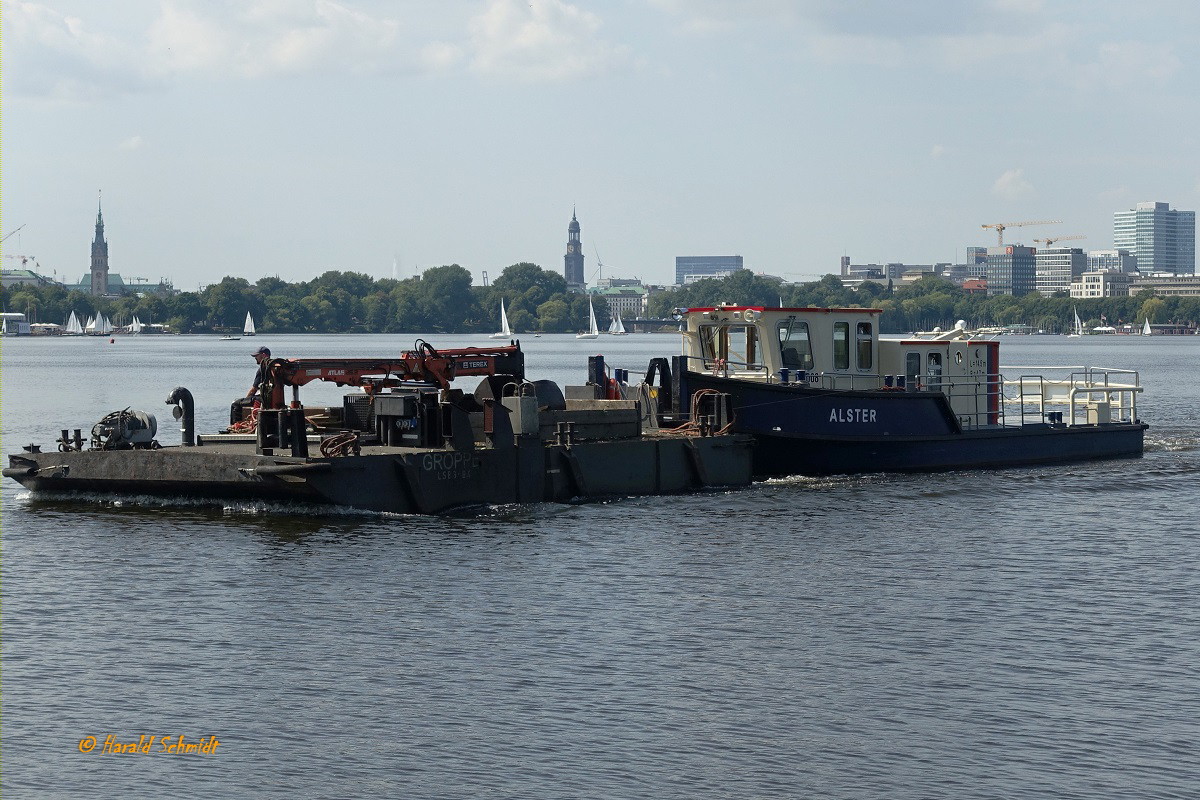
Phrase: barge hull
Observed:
(400, 480)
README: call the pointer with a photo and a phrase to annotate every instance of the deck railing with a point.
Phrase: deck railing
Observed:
(1074, 395)
(1068, 395)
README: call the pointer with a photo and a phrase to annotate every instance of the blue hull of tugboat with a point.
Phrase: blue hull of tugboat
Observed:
(802, 431)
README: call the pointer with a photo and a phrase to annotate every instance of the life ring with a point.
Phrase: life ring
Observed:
(613, 390)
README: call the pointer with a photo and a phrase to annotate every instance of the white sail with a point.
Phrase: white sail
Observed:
(73, 326)
(1078, 331)
(90, 325)
(505, 331)
(1146, 328)
(592, 331)
(248, 330)
(616, 327)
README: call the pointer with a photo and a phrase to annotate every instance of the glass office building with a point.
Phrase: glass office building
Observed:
(689, 269)
(1161, 239)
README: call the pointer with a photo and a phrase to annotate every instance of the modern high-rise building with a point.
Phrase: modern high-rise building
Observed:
(1161, 239)
(1011, 269)
(573, 260)
(1057, 267)
(689, 269)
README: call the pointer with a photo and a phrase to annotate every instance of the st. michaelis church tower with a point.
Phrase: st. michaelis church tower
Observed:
(99, 257)
(573, 260)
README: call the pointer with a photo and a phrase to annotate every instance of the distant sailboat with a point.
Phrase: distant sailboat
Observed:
(616, 327)
(248, 330)
(1146, 328)
(99, 326)
(1078, 325)
(505, 332)
(73, 327)
(592, 331)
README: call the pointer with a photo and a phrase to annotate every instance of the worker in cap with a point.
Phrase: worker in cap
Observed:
(261, 357)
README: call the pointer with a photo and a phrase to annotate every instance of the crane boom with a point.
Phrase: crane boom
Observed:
(1050, 240)
(1000, 226)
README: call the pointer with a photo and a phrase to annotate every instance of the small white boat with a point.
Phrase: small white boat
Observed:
(73, 327)
(1146, 328)
(616, 327)
(228, 338)
(248, 329)
(1078, 325)
(592, 332)
(505, 331)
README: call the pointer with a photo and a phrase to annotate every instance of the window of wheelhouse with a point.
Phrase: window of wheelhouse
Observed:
(935, 371)
(795, 350)
(864, 341)
(912, 368)
(733, 346)
(841, 345)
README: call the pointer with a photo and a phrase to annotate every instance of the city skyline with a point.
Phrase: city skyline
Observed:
(262, 138)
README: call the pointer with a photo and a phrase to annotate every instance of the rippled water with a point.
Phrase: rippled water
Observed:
(1019, 633)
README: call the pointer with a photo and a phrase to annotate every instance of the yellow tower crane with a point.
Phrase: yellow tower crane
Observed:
(1000, 226)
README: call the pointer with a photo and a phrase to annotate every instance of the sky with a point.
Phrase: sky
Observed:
(292, 137)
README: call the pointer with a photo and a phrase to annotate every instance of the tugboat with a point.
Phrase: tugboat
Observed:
(822, 393)
(404, 442)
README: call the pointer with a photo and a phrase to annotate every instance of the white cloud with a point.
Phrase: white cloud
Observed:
(1012, 185)
(132, 143)
(542, 40)
(269, 37)
(936, 151)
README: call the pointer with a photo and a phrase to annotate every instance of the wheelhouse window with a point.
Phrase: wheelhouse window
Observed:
(864, 341)
(912, 368)
(733, 346)
(795, 350)
(841, 345)
(935, 371)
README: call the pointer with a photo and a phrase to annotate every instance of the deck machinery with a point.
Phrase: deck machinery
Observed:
(405, 441)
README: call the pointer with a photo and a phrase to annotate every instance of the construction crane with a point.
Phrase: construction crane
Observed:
(14, 230)
(1000, 226)
(1051, 240)
(24, 259)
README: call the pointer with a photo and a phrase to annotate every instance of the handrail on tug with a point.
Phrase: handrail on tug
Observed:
(1095, 384)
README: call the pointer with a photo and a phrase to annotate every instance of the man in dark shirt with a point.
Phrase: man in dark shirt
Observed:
(261, 356)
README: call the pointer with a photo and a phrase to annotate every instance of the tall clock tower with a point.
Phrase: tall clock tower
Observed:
(99, 257)
(573, 260)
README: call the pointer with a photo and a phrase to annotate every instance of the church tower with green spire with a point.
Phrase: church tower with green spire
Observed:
(99, 256)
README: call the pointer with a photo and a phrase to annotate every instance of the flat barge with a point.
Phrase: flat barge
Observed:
(406, 442)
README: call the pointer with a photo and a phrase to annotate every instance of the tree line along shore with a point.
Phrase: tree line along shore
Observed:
(445, 300)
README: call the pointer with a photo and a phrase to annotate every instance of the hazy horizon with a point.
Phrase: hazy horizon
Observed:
(289, 137)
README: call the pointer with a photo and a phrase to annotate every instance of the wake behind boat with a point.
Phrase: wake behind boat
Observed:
(822, 393)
